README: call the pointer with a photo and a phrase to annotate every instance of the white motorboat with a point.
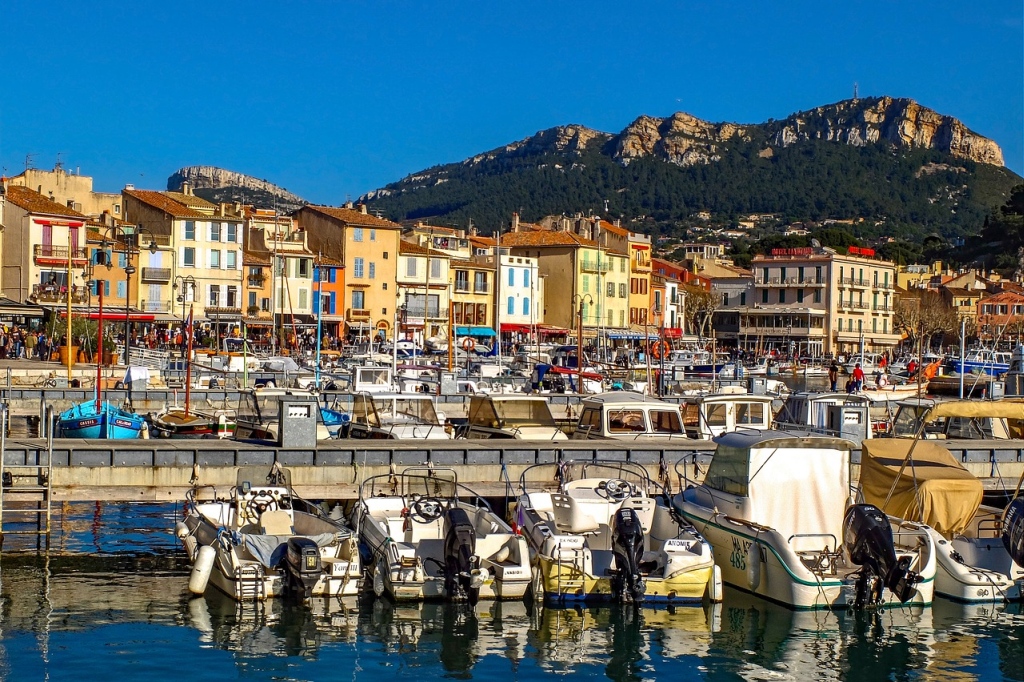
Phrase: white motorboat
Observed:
(777, 509)
(711, 415)
(924, 483)
(431, 538)
(256, 416)
(262, 541)
(846, 415)
(511, 416)
(869, 363)
(410, 416)
(608, 534)
(625, 415)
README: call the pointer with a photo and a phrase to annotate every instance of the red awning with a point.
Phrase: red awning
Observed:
(673, 332)
(112, 315)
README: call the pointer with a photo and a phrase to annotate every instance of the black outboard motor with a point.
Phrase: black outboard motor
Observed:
(628, 548)
(1013, 530)
(302, 564)
(868, 538)
(460, 556)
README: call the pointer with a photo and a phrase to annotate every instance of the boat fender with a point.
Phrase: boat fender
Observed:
(201, 570)
(754, 566)
(501, 556)
(180, 530)
(144, 431)
(477, 577)
(379, 586)
(715, 589)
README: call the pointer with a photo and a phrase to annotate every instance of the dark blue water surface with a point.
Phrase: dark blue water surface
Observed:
(110, 602)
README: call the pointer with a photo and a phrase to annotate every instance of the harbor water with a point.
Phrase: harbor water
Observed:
(109, 601)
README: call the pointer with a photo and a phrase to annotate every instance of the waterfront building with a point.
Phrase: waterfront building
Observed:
(424, 288)
(70, 189)
(204, 242)
(329, 286)
(667, 280)
(472, 297)
(815, 300)
(367, 247)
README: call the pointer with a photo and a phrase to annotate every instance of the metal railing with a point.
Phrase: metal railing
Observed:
(159, 275)
(58, 252)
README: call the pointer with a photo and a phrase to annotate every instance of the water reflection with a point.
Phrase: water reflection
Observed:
(83, 603)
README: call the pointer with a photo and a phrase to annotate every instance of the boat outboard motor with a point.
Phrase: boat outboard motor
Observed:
(1013, 530)
(460, 558)
(628, 548)
(302, 565)
(868, 538)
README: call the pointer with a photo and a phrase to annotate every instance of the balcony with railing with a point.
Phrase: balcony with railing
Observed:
(462, 285)
(225, 310)
(255, 281)
(855, 282)
(598, 267)
(790, 281)
(156, 275)
(881, 308)
(159, 306)
(52, 293)
(48, 253)
(481, 288)
(357, 315)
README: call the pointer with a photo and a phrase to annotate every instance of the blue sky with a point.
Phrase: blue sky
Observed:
(332, 99)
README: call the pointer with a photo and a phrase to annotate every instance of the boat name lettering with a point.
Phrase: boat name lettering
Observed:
(738, 557)
(87, 422)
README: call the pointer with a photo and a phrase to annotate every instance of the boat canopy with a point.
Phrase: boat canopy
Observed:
(798, 485)
(934, 489)
(1002, 409)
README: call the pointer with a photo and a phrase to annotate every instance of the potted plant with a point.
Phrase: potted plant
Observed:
(82, 330)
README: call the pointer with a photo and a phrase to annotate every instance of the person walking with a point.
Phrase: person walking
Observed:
(833, 376)
(858, 378)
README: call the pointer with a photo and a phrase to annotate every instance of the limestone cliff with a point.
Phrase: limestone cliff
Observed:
(686, 140)
(240, 186)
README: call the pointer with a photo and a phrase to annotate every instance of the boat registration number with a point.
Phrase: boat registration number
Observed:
(738, 556)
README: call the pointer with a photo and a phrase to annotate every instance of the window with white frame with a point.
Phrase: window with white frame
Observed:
(188, 257)
(214, 232)
(231, 262)
(373, 235)
(232, 232)
(232, 297)
(357, 234)
(190, 230)
(214, 258)
(357, 267)
(214, 295)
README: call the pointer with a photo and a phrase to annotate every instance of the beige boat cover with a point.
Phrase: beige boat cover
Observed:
(1001, 409)
(934, 488)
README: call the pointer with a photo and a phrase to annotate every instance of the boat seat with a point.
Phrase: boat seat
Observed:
(569, 518)
(276, 522)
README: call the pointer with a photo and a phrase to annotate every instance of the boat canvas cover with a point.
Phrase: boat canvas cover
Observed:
(799, 487)
(1003, 409)
(934, 489)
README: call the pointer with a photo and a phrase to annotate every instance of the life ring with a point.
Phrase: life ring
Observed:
(468, 345)
(658, 348)
(882, 382)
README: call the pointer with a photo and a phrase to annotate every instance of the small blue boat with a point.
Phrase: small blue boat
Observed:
(85, 421)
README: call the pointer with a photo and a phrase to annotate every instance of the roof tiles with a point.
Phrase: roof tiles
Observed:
(34, 202)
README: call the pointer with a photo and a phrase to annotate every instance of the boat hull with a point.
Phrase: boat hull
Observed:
(109, 422)
(980, 575)
(781, 576)
(564, 581)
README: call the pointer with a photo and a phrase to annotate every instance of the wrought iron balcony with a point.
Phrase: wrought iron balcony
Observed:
(156, 275)
(51, 293)
(49, 253)
(357, 314)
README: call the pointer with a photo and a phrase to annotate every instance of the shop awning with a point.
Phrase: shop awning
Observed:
(629, 335)
(474, 331)
(110, 314)
(551, 330)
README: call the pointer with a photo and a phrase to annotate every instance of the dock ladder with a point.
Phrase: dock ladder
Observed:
(26, 491)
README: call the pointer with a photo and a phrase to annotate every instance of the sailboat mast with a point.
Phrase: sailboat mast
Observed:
(99, 353)
(67, 287)
(188, 359)
(319, 312)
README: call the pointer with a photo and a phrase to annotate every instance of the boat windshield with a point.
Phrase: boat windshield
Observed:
(262, 476)
(419, 410)
(523, 413)
(729, 471)
(666, 421)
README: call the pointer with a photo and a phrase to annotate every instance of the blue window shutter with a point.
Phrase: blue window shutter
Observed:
(526, 306)
(122, 289)
(106, 287)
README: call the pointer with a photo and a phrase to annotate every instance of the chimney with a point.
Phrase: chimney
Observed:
(223, 210)
(186, 188)
(473, 231)
(596, 236)
(362, 208)
(515, 222)
(348, 204)
(129, 186)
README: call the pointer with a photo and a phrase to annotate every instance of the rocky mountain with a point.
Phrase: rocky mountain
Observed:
(883, 159)
(220, 185)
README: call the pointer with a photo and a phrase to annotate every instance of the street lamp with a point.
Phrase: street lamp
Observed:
(184, 282)
(130, 239)
(582, 300)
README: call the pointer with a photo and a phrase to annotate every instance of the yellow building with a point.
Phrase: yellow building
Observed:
(368, 248)
(472, 297)
(577, 271)
(423, 291)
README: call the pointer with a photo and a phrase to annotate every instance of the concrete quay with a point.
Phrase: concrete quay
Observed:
(163, 470)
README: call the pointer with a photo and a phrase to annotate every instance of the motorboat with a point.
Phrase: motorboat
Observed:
(177, 422)
(95, 419)
(609, 533)
(626, 415)
(921, 482)
(696, 361)
(981, 361)
(917, 418)
(869, 363)
(846, 415)
(521, 417)
(257, 418)
(431, 538)
(262, 541)
(777, 508)
(410, 416)
(707, 416)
